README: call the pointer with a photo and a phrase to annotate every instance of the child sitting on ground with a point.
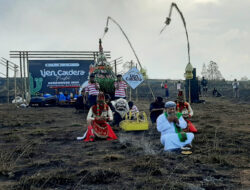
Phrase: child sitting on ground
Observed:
(133, 109)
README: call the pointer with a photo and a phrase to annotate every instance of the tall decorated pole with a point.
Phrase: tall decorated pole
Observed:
(189, 75)
(189, 68)
(103, 72)
(106, 30)
(142, 70)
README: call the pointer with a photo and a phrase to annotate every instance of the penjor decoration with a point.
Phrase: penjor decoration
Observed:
(142, 70)
(103, 72)
(189, 68)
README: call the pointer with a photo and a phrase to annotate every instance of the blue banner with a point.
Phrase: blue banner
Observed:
(2, 82)
(45, 75)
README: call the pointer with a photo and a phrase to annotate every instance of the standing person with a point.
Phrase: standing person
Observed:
(120, 88)
(156, 108)
(235, 85)
(81, 101)
(162, 84)
(92, 90)
(166, 89)
(178, 86)
(204, 86)
(170, 125)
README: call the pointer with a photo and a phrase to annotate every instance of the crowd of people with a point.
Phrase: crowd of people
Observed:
(170, 118)
(202, 88)
(215, 92)
(88, 95)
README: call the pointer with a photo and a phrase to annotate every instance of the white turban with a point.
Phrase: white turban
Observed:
(170, 104)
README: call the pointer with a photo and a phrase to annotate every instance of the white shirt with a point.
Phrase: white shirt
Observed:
(178, 86)
(120, 93)
(134, 110)
(235, 84)
(169, 138)
(91, 116)
(166, 127)
(91, 89)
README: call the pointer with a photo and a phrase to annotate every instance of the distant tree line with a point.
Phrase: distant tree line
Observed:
(211, 72)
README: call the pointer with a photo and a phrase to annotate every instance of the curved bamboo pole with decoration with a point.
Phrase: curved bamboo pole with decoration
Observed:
(106, 30)
(189, 68)
(130, 44)
(168, 20)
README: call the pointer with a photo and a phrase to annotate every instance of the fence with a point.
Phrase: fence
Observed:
(224, 87)
(9, 66)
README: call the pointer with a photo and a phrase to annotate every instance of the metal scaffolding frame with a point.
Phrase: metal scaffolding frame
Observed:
(9, 66)
(25, 56)
(114, 63)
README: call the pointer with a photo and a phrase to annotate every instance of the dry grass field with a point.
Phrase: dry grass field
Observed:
(39, 150)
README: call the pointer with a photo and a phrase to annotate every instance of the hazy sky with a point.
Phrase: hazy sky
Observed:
(219, 30)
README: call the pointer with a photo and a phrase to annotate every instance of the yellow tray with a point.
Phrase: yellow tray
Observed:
(135, 125)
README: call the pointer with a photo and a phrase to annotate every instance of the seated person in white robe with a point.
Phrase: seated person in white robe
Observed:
(170, 125)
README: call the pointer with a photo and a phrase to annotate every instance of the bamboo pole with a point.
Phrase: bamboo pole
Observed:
(21, 74)
(167, 22)
(130, 44)
(28, 83)
(136, 91)
(24, 73)
(115, 68)
(189, 92)
(7, 81)
(130, 89)
(15, 71)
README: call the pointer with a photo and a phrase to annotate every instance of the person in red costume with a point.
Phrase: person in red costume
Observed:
(98, 117)
(186, 110)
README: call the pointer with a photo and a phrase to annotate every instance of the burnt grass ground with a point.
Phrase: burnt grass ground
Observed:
(39, 150)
